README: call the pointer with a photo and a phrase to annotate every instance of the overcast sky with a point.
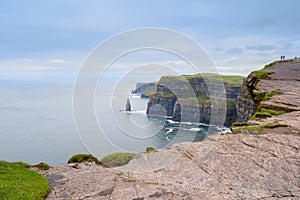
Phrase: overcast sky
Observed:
(53, 37)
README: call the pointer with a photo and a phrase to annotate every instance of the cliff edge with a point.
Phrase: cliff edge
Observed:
(270, 98)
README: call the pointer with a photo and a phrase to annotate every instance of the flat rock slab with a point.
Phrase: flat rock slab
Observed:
(241, 166)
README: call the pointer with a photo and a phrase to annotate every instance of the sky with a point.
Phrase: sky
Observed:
(53, 37)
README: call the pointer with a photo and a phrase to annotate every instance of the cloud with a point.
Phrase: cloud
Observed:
(58, 61)
(234, 50)
(264, 47)
(228, 29)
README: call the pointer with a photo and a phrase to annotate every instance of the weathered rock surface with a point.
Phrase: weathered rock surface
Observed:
(275, 88)
(238, 166)
(283, 76)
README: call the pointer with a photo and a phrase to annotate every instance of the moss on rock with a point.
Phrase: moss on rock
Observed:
(117, 159)
(79, 158)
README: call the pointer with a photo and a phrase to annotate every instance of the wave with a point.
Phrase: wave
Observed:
(170, 130)
(135, 96)
(193, 129)
(140, 111)
(134, 111)
(172, 122)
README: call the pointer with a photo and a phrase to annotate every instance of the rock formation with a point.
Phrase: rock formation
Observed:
(144, 89)
(128, 105)
(271, 96)
(193, 95)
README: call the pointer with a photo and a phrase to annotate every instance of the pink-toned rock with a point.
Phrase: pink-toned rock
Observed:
(241, 166)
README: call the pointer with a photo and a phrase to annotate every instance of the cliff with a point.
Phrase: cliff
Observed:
(144, 89)
(270, 96)
(260, 160)
(189, 89)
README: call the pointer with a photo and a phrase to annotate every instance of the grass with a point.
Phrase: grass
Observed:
(261, 74)
(203, 100)
(19, 182)
(129, 180)
(42, 166)
(259, 128)
(265, 96)
(274, 125)
(150, 150)
(233, 80)
(253, 128)
(264, 113)
(268, 95)
(193, 79)
(117, 159)
(270, 65)
(230, 103)
(79, 158)
(273, 112)
(237, 124)
(167, 95)
(230, 80)
(150, 91)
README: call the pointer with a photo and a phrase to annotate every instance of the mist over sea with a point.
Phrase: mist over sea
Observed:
(37, 122)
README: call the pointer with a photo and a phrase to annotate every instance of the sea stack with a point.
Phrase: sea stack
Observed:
(128, 105)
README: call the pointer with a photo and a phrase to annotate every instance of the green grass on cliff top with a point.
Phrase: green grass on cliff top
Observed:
(19, 182)
(234, 80)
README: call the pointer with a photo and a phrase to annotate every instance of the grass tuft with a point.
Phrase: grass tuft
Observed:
(79, 158)
(117, 159)
(150, 150)
(268, 95)
(262, 74)
(42, 166)
(129, 180)
(167, 95)
(270, 65)
(264, 113)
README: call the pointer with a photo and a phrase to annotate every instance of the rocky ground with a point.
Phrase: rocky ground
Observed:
(285, 78)
(249, 165)
(238, 166)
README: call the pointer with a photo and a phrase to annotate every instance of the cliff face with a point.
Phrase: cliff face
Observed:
(270, 97)
(246, 106)
(161, 106)
(193, 97)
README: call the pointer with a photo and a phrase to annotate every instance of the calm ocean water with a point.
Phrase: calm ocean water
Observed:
(37, 123)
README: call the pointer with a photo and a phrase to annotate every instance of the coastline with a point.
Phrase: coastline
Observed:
(259, 159)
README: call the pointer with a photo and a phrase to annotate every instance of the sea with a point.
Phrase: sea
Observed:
(37, 122)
